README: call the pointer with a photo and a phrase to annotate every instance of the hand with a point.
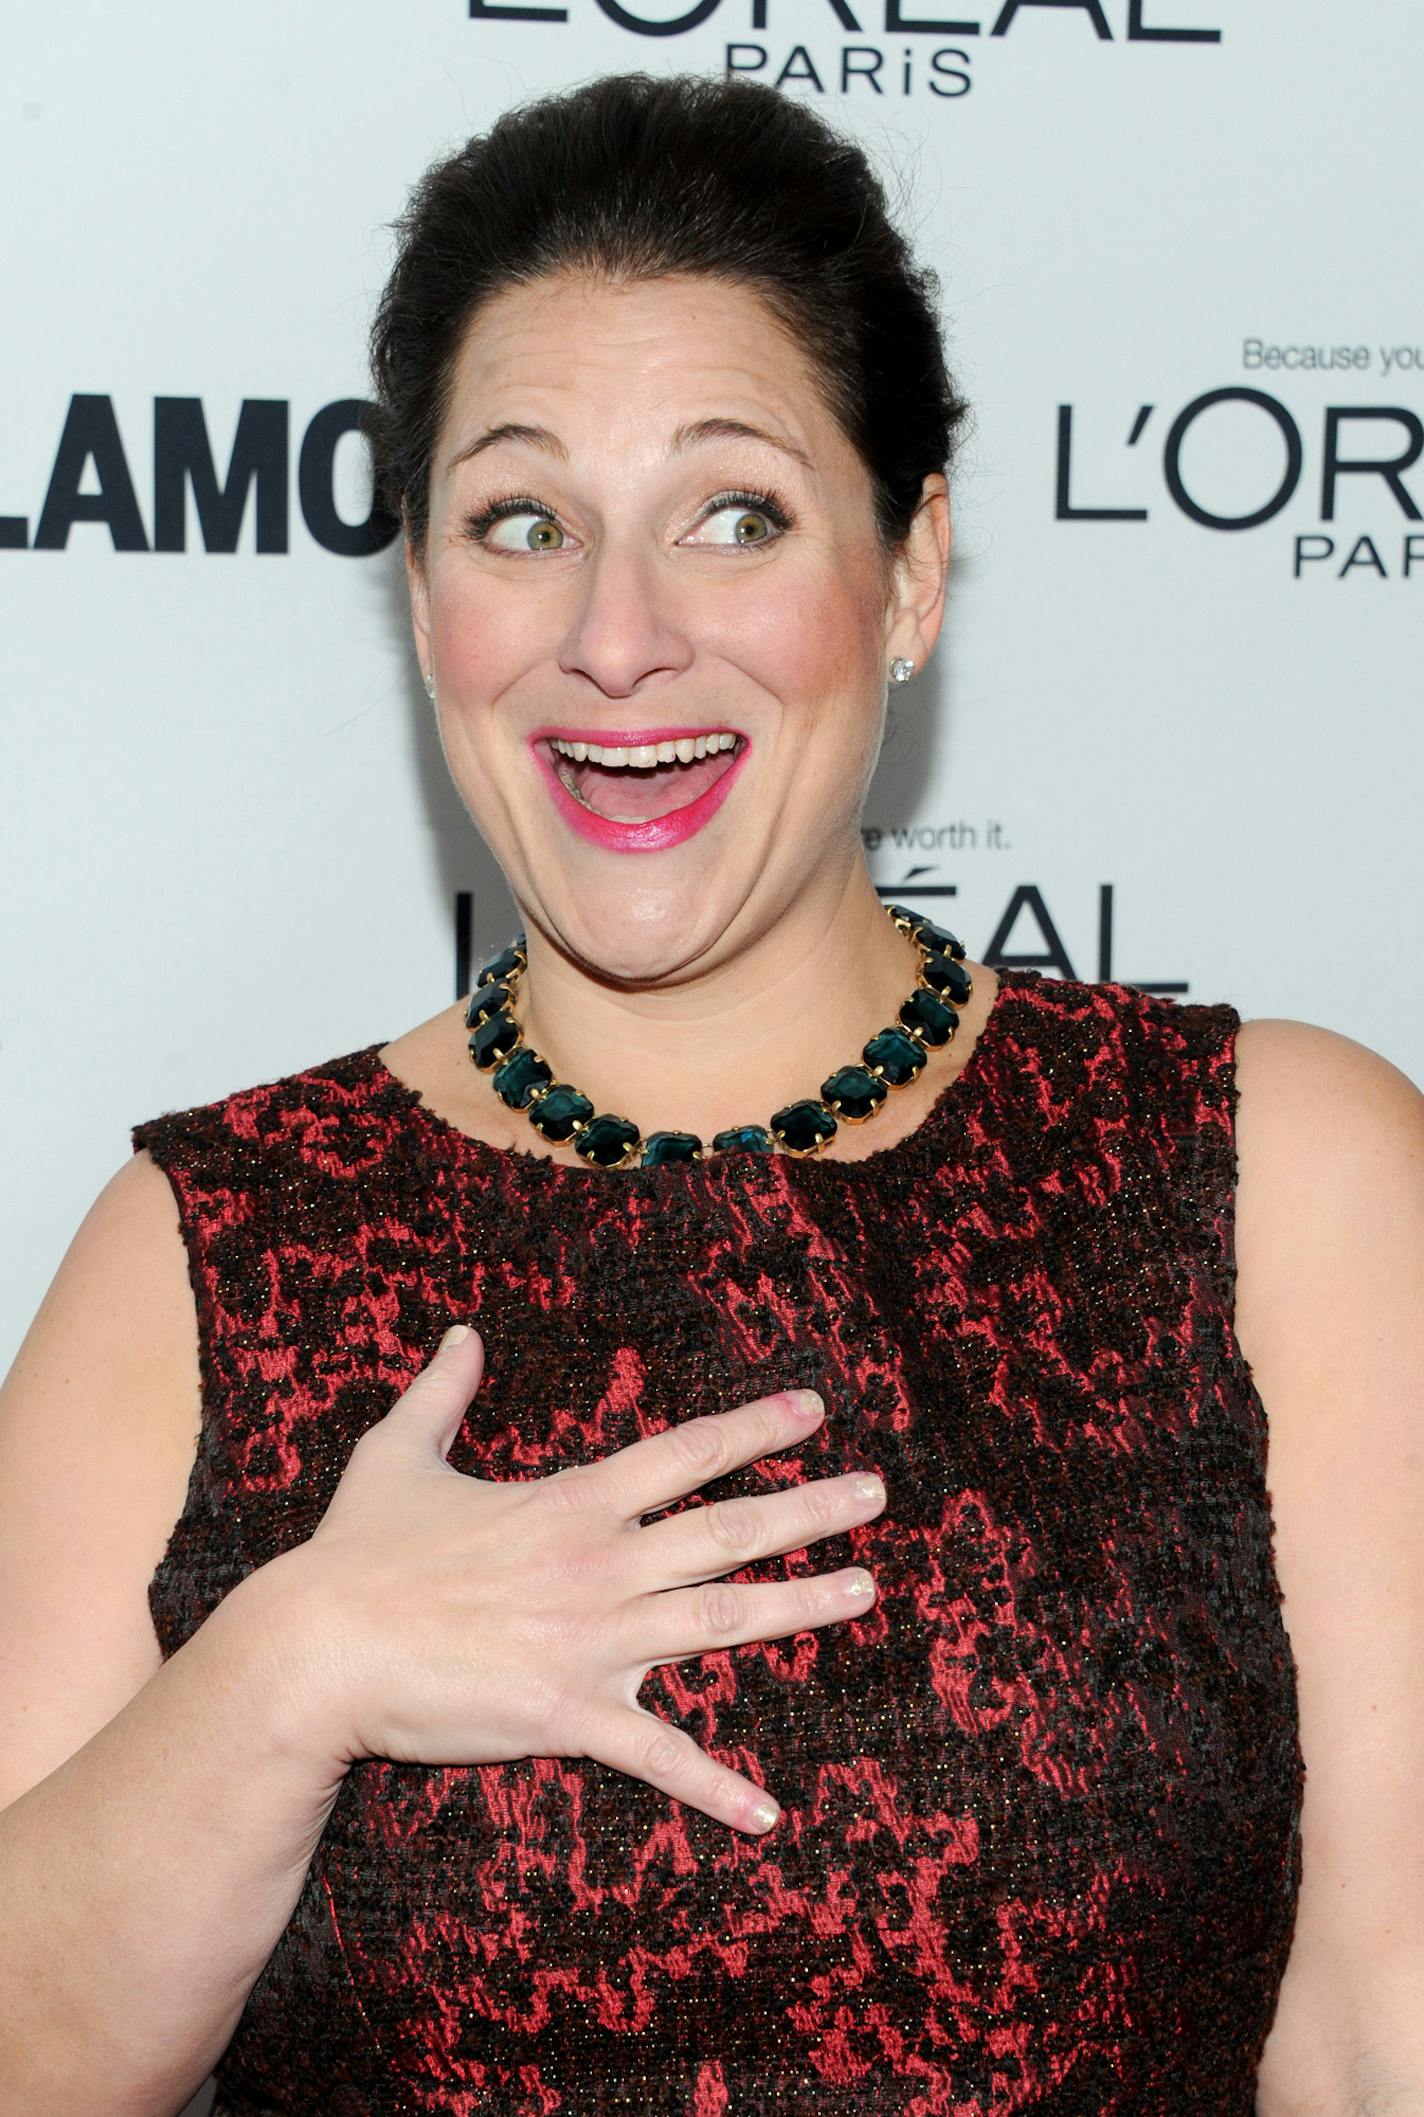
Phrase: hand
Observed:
(473, 1621)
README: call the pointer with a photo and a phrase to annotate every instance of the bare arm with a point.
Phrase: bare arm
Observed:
(147, 1880)
(156, 1820)
(1330, 1312)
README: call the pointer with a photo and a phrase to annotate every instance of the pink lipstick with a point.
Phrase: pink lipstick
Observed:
(657, 832)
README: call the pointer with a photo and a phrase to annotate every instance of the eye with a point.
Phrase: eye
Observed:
(542, 534)
(749, 518)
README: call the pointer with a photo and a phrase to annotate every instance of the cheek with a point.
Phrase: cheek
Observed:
(817, 617)
(477, 647)
(480, 654)
(818, 653)
(819, 649)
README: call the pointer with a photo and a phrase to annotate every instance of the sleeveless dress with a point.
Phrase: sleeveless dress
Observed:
(1040, 1842)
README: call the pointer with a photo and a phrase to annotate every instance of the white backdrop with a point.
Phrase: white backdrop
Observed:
(230, 848)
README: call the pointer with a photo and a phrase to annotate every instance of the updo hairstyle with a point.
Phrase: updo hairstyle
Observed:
(636, 177)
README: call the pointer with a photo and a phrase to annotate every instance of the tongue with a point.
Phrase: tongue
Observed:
(637, 793)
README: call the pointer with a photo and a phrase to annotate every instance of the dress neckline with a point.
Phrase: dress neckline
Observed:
(449, 1142)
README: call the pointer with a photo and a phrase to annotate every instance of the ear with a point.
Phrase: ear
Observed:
(419, 589)
(920, 577)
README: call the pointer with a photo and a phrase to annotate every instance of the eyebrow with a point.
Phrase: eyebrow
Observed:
(686, 436)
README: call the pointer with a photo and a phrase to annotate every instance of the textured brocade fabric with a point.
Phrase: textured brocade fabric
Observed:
(1040, 1848)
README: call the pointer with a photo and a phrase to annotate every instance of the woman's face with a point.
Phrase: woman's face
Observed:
(611, 561)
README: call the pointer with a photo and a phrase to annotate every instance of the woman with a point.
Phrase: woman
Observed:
(409, 1787)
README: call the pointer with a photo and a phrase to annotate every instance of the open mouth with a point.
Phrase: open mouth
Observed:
(627, 784)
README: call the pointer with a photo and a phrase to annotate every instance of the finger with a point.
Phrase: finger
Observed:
(650, 1473)
(633, 1740)
(725, 1613)
(702, 1542)
(433, 1406)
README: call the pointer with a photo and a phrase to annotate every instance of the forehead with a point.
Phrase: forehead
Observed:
(614, 361)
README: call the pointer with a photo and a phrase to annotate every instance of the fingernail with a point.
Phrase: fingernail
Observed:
(806, 1404)
(869, 1487)
(858, 1586)
(765, 1814)
(456, 1332)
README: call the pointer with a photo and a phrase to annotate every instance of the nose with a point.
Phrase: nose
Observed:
(623, 628)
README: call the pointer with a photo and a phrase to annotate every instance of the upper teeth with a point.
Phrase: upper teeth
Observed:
(683, 751)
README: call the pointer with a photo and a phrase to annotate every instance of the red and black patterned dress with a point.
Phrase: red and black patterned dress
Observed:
(1040, 1848)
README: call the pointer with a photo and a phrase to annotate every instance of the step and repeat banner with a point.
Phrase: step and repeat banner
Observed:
(1171, 734)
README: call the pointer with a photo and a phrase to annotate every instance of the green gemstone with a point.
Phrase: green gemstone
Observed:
(485, 1000)
(803, 1128)
(946, 977)
(606, 1140)
(854, 1093)
(938, 938)
(894, 1056)
(928, 1018)
(494, 1040)
(925, 931)
(560, 1111)
(755, 1138)
(520, 1078)
(670, 1146)
(504, 964)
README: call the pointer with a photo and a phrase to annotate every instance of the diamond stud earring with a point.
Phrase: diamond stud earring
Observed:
(901, 670)
(430, 685)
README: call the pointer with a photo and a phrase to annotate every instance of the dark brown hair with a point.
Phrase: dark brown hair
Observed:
(633, 176)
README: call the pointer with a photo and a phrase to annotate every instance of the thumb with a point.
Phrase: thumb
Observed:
(441, 1392)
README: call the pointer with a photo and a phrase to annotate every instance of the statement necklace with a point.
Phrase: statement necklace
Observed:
(522, 1080)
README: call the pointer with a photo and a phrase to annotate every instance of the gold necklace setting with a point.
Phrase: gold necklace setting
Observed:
(559, 1112)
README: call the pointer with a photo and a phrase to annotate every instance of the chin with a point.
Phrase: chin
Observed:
(640, 936)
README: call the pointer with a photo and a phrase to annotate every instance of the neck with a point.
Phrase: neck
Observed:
(734, 1043)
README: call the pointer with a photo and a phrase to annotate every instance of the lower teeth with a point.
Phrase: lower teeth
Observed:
(569, 788)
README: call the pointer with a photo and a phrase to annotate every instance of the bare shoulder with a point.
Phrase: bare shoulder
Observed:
(99, 1420)
(1278, 1058)
(1330, 1145)
(121, 1294)
(1329, 1209)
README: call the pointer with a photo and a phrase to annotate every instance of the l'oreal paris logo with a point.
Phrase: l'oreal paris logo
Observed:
(849, 69)
(1360, 454)
(892, 18)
